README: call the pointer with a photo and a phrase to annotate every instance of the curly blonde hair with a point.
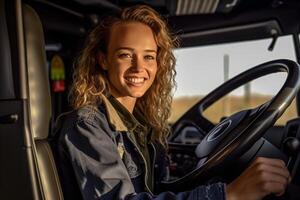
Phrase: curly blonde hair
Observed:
(90, 80)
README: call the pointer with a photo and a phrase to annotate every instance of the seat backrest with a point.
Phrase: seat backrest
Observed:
(39, 105)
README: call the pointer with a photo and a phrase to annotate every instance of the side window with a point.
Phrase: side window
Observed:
(202, 69)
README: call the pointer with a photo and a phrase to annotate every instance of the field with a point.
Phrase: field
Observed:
(227, 106)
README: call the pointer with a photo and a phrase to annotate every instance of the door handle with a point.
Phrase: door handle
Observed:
(9, 119)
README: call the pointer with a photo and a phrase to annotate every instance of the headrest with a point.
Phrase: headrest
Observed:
(38, 82)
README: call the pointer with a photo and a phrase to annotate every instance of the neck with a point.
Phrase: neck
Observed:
(127, 102)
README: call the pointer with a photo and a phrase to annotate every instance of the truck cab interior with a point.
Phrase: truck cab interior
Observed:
(39, 40)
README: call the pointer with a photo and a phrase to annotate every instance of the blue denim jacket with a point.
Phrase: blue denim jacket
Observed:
(94, 163)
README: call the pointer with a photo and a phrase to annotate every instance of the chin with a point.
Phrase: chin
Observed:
(137, 94)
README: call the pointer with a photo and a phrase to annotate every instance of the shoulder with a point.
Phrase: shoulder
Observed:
(88, 123)
(101, 116)
(88, 114)
(91, 114)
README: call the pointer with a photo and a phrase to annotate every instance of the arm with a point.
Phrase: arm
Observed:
(101, 173)
(98, 167)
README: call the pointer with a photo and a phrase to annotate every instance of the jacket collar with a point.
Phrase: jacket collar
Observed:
(112, 115)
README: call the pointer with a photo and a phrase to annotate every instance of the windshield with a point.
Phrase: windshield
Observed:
(202, 69)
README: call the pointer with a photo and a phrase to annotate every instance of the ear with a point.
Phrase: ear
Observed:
(102, 60)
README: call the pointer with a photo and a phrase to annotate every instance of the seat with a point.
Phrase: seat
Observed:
(39, 106)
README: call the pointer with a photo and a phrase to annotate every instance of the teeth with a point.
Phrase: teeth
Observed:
(135, 80)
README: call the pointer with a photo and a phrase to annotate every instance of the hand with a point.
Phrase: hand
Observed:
(264, 176)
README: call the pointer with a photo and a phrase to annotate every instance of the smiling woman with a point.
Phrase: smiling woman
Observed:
(104, 48)
(113, 144)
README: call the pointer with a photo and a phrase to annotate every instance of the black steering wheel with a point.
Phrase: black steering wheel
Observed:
(233, 136)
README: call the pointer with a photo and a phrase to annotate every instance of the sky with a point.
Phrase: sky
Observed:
(201, 69)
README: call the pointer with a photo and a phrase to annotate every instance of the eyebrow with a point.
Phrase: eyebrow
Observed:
(131, 49)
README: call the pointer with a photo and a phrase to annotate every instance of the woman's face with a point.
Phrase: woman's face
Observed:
(131, 60)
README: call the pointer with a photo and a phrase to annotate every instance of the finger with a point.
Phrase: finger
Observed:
(270, 161)
(273, 188)
(270, 164)
(274, 170)
(265, 177)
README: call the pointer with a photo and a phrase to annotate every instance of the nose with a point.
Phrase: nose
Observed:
(137, 63)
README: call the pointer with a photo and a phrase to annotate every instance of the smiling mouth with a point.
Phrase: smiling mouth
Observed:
(135, 80)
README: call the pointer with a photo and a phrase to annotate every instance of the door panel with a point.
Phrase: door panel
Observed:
(15, 154)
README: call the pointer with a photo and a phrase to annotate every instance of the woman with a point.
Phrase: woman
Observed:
(117, 132)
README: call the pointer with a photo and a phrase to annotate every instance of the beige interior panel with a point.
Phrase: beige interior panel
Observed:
(39, 105)
(38, 83)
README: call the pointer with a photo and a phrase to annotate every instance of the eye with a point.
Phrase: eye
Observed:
(124, 55)
(149, 57)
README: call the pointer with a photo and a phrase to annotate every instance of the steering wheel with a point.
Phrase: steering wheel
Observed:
(233, 136)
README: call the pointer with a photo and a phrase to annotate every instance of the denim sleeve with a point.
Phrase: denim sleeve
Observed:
(208, 192)
(101, 173)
